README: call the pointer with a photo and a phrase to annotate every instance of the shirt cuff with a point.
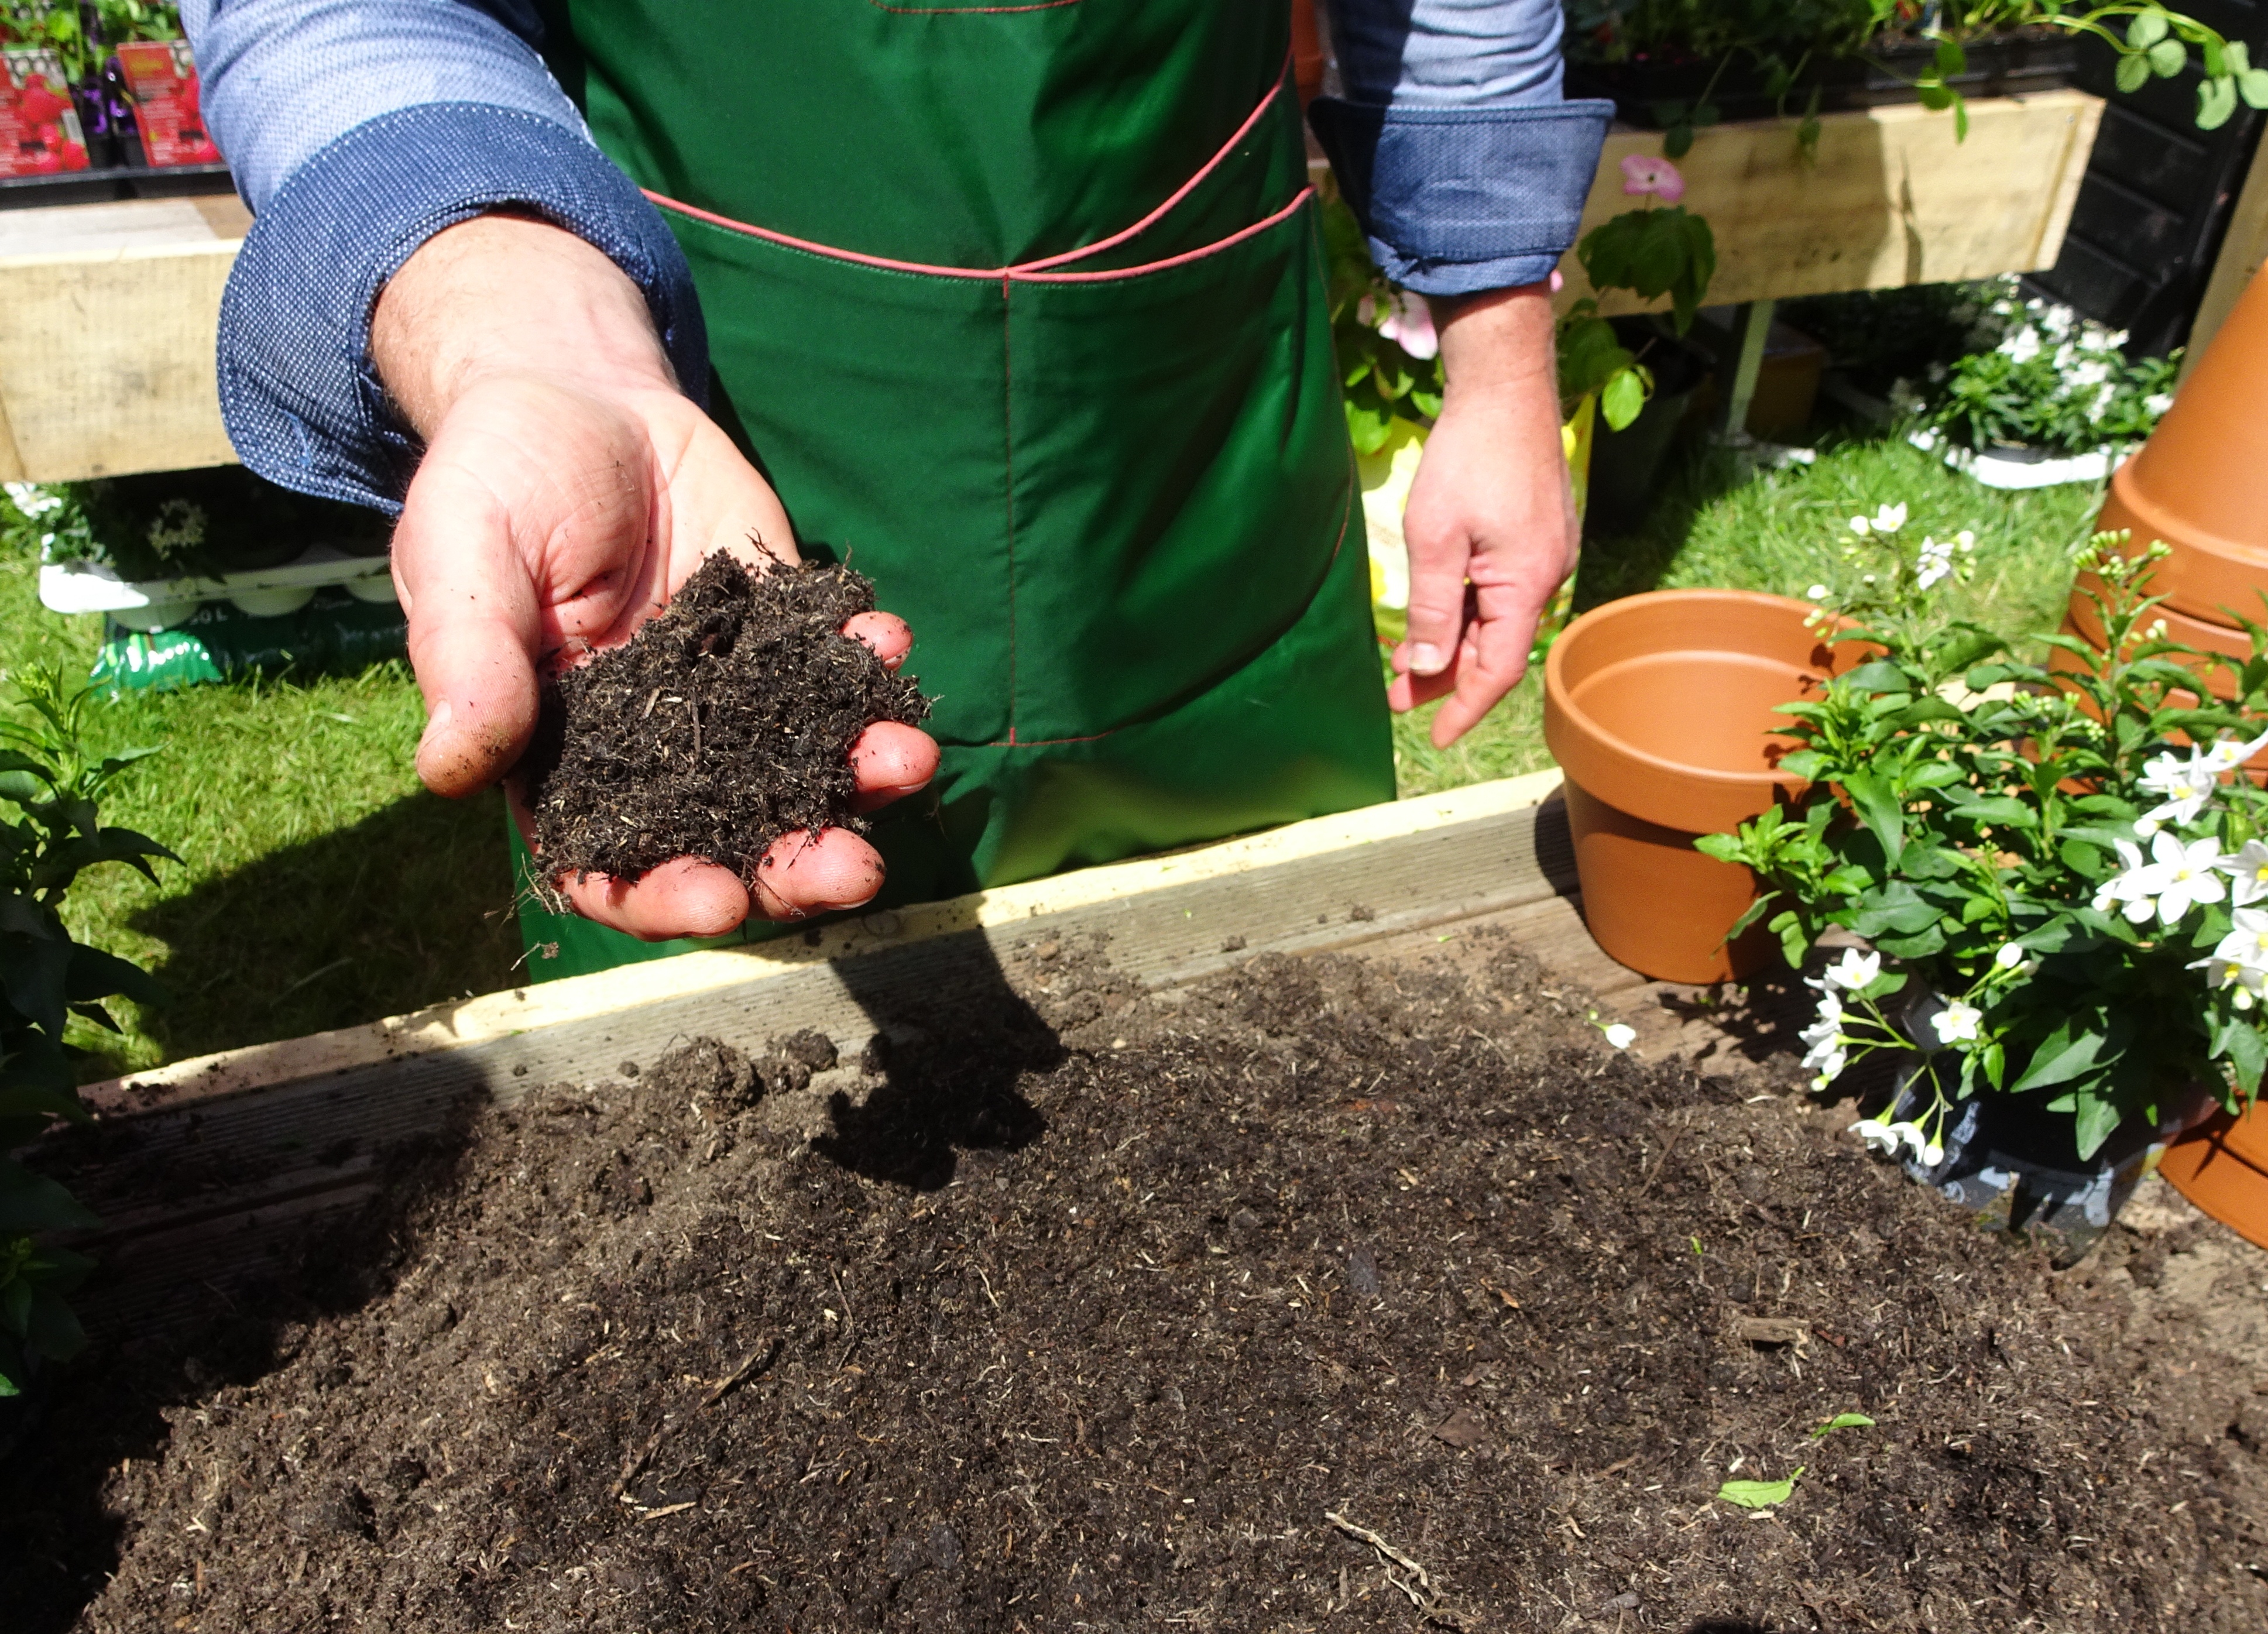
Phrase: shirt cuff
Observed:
(302, 402)
(1459, 199)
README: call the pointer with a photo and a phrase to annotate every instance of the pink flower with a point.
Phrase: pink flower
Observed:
(1645, 173)
(1409, 325)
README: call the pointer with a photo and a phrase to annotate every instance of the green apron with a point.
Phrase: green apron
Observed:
(1020, 309)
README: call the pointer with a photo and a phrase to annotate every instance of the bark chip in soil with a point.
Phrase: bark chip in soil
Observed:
(724, 724)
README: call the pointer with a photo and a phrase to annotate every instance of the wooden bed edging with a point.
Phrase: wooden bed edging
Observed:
(207, 1170)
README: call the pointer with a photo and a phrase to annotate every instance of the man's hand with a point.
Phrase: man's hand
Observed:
(1491, 523)
(568, 489)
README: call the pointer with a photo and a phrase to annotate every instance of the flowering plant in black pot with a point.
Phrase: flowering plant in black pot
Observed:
(2070, 861)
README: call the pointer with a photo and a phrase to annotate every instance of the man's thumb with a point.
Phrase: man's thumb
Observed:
(473, 629)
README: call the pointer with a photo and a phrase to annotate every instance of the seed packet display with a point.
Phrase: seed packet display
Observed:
(163, 76)
(39, 133)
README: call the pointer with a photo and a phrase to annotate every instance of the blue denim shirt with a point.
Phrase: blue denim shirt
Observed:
(358, 129)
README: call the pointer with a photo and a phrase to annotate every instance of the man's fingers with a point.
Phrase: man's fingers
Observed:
(1438, 561)
(892, 760)
(805, 873)
(682, 897)
(473, 629)
(885, 633)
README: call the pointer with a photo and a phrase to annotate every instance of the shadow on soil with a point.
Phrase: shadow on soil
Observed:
(410, 906)
(951, 1038)
(59, 1535)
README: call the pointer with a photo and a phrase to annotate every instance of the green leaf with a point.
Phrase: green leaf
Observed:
(2067, 1053)
(1843, 1421)
(2216, 102)
(1879, 675)
(1878, 808)
(1677, 141)
(1758, 1494)
(2168, 58)
(2133, 72)
(2002, 810)
(2252, 85)
(2246, 1051)
(1621, 399)
(93, 973)
(1951, 59)
(2149, 28)
(30, 1202)
(2097, 1117)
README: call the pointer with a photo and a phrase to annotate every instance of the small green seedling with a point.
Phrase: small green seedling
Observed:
(1697, 1244)
(1842, 1421)
(1758, 1494)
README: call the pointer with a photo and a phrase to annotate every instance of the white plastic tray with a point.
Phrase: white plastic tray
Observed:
(2011, 475)
(160, 604)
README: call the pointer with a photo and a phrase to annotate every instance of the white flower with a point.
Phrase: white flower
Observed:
(1931, 1155)
(1956, 1023)
(1935, 563)
(2094, 371)
(1878, 1136)
(1966, 540)
(2187, 875)
(1856, 970)
(2158, 402)
(2241, 956)
(1817, 592)
(2021, 347)
(2184, 785)
(1916, 1141)
(2229, 754)
(33, 500)
(2016, 956)
(1886, 520)
(2135, 884)
(2248, 873)
(1620, 1034)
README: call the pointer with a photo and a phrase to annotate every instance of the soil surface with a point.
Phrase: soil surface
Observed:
(1332, 1294)
(724, 723)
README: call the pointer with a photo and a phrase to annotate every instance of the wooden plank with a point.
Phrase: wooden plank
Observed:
(2242, 252)
(1894, 198)
(192, 1166)
(109, 315)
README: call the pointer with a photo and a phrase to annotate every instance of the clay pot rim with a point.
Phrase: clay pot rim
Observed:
(1772, 784)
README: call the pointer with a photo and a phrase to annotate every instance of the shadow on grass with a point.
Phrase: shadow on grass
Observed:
(410, 906)
(1698, 475)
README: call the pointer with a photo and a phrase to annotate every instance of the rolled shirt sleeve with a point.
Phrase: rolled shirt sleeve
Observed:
(1453, 143)
(356, 130)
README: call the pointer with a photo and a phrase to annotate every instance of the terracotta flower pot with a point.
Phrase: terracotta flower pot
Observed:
(2200, 483)
(1662, 711)
(2223, 1166)
(2082, 619)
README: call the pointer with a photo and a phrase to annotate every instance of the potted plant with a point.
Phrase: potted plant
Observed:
(2061, 881)
(2051, 401)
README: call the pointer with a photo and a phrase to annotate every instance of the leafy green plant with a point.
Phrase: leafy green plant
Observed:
(52, 784)
(1760, 1494)
(2055, 381)
(1374, 326)
(1982, 822)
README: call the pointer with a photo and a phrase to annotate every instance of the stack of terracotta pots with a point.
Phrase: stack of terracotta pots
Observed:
(2200, 484)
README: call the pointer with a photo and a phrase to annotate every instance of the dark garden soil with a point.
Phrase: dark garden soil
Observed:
(724, 724)
(1336, 1294)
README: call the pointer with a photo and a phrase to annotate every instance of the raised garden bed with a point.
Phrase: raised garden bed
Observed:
(1089, 1271)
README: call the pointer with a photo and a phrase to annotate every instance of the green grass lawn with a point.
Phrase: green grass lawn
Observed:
(320, 887)
(1785, 531)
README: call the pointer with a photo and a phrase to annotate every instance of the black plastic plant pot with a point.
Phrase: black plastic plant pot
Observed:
(1627, 466)
(2016, 1167)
